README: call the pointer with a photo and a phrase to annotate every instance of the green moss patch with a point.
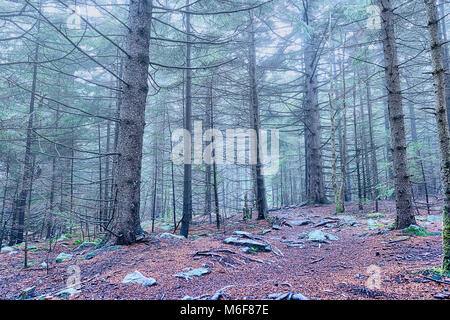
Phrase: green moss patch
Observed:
(418, 231)
(375, 215)
(435, 273)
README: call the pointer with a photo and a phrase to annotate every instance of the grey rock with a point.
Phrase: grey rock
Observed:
(67, 292)
(242, 233)
(63, 257)
(319, 236)
(287, 296)
(167, 235)
(300, 222)
(85, 245)
(137, 277)
(5, 250)
(188, 275)
(90, 255)
(247, 243)
(331, 237)
(434, 218)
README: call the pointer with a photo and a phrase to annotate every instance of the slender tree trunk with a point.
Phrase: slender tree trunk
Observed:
(3, 221)
(442, 126)
(187, 188)
(21, 203)
(343, 146)
(132, 122)
(373, 149)
(208, 166)
(155, 178)
(260, 190)
(214, 166)
(405, 213)
(357, 153)
(28, 215)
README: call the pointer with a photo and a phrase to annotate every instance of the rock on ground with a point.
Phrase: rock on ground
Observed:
(247, 243)
(85, 245)
(192, 273)
(6, 250)
(63, 257)
(167, 235)
(68, 292)
(320, 236)
(137, 277)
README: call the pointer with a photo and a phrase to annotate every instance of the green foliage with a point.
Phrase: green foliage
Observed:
(435, 273)
(384, 191)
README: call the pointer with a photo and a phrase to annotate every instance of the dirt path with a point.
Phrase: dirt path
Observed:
(338, 269)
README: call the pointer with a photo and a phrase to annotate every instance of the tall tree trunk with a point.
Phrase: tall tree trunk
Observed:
(441, 15)
(21, 202)
(315, 187)
(343, 137)
(405, 214)
(207, 165)
(214, 166)
(357, 152)
(132, 122)
(442, 126)
(260, 189)
(187, 184)
(333, 113)
(373, 149)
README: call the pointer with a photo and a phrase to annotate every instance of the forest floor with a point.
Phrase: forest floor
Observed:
(341, 267)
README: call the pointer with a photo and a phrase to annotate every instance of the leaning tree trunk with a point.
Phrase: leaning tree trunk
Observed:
(18, 226)
(132, 122)
(442, 126)
(405, 215)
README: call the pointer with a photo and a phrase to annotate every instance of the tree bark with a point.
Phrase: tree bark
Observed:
(27, 176)
(405, 215)
(373, 149)
(315, 187)
(260, 189)
(132, 122)
(187, 184)
(442, 126)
